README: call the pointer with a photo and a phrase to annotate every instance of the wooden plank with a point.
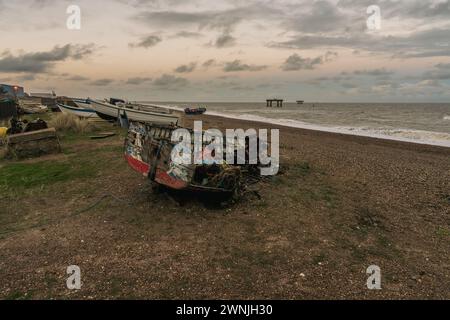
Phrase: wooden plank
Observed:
(31, 136)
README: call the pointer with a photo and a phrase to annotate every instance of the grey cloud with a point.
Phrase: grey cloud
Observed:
(319, 16)
(138, 80)
(209, 63)
(296, 62)
(427, 43)
(102, 82)
(186, 68)
(417, 9)
(170, 82)
(27, 77)
(441, 71)
(374, 72)
(225, 40)
(443, 66)
(43, 61)
(147, 42)
(187, 34)
(237, 65)
(224, 20)
(77, 78)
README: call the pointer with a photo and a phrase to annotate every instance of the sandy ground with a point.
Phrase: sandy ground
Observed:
(341, 204)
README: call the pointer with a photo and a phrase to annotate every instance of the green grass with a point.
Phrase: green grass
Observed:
(29, 175)
(300, 169)
(19, 296)
(16, 176)
(443, 232)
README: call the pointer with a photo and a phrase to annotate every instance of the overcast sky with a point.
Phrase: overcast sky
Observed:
(229, 50)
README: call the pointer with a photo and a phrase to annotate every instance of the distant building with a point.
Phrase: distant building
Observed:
(47, 99)
(43, 95)
(12, 91)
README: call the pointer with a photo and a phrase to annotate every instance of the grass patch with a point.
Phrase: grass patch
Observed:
(18, 176)
(64, 122)
(300, 169)
(314, 193)
(18, 296)
(443, 232)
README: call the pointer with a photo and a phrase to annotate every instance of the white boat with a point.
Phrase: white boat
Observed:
(110, 111)
(82, 112)
(83, 104)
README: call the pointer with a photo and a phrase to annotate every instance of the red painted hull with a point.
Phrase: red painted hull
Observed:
(137, 165)
(161, 176)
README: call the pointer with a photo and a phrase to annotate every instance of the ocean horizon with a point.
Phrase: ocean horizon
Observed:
(424, 123)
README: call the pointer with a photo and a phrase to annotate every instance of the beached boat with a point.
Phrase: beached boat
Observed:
(112, 112)
(78, 110)
(32, 108)
(82, 103)
(194, 111)
(149, 149)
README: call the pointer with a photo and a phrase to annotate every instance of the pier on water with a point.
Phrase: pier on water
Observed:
(279, 103)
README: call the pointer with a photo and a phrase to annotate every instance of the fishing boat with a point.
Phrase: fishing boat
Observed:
(194, 111)
(149, 149)
(77, 111)
(115, 110)
(82, 103)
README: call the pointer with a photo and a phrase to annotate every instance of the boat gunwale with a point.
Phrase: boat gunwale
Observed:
(111, 106)
(75, 108)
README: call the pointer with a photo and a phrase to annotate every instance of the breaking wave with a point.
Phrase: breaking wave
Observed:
(400, 134)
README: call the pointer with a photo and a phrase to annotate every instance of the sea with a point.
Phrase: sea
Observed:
(424, 123)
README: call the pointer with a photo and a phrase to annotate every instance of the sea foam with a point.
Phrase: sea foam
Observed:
(397, 134)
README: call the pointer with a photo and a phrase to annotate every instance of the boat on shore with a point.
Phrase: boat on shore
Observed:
(194, 111)
(77, 111)
(78, 107)
(32, 108)
(149, 149)
(82, 103)
(114, 110)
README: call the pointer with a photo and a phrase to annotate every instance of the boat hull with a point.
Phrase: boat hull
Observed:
(79, 112)
(38, 109)
(106, 110)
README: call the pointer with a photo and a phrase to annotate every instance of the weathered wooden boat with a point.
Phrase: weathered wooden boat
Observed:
(148, 150)
(31, 105)
(113, 112)
(33, 108)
